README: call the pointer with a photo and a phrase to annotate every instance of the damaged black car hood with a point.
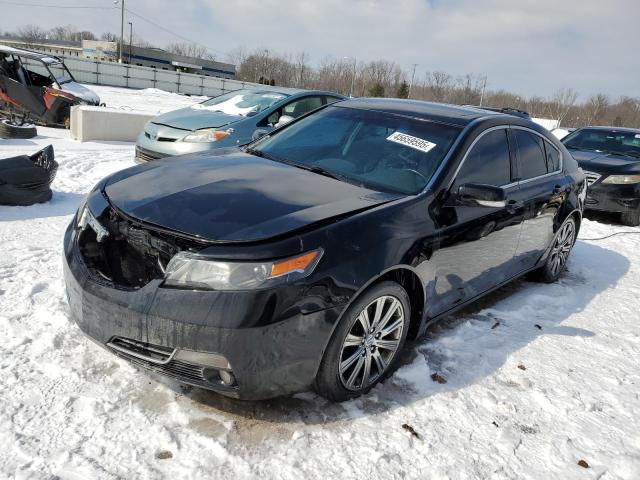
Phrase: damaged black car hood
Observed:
(606, 163)
(233, 197)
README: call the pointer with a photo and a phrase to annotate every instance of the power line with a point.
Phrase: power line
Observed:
(42, 5)
(141, 17)
(157, 25)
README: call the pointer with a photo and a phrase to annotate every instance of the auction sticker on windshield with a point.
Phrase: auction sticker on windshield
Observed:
(411, 141)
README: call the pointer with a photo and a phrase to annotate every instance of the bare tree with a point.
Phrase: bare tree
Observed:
(190, 50)
(595, 109)
(66, 32)
(438, 85)
(561, 103)
(32, 34)
(109, 37)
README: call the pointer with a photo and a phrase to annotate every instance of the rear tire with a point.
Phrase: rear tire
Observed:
(557, 260)
(10, 130)
(366, 343)
(631, 218)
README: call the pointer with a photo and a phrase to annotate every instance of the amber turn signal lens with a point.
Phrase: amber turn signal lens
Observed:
(220, 134)
(295, 264)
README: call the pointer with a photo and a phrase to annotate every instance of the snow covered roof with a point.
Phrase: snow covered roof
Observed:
(29, 54)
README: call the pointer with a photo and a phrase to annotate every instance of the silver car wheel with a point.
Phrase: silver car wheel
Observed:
(561, 248)
(372, 342)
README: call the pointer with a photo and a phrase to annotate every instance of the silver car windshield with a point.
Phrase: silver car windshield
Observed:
(245, 103)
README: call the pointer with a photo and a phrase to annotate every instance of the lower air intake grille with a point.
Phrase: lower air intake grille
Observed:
(158, 359)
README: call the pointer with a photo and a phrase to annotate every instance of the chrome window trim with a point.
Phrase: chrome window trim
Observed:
(449, 154)
(506, 127)
(473, 144)
(555, 172)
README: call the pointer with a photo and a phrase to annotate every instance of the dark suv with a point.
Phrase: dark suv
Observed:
(307, 258)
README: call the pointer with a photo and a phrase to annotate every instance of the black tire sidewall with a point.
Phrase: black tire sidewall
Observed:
(328, 383)
(631, 218)
(7, 130)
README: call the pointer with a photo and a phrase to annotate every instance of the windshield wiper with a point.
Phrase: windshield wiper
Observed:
(261, 154)
(319, 170)
(311, 168)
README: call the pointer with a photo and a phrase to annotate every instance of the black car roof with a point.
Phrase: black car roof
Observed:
(440, 112)
(612, 129)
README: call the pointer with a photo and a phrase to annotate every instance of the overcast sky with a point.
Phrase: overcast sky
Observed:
(530, 47)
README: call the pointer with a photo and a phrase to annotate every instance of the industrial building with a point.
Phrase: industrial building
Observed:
(143, 57)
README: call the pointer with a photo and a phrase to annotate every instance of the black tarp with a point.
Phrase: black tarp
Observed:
(26, 179)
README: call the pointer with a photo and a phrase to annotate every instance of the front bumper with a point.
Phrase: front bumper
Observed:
(151, 149)
(613, 198)
(268, 356)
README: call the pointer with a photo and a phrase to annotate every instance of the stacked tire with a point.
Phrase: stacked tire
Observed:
(12, 130)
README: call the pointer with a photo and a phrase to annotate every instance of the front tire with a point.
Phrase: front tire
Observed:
(366, 344)
(631, 218)
(557, 260)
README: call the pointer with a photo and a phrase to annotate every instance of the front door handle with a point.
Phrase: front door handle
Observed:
(557, 189)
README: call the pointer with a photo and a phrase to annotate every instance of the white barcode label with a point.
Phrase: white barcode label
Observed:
(410, 141)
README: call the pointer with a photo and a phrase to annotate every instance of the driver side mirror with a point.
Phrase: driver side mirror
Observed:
(259, 133)
(284, 119)
(480, 195)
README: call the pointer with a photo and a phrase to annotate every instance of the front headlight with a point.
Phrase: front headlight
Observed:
(188, 270)
(207, 135)
(622, 179)
(81, 208)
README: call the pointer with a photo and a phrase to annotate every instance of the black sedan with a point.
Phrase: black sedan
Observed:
(610, 157)
(308, 258)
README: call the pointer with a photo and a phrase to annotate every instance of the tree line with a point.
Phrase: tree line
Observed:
(380, 78)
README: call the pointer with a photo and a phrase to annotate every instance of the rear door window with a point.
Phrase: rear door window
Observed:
(330, 99)
(304, 105)
(488, 162)
(533, 162)
(553, 157)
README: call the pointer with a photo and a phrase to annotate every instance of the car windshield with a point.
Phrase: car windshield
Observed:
(375, 149)
(241, 102)
(606, 141)
(59, 72)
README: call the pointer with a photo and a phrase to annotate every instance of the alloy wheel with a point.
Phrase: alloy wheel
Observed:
(372, 342)
(561, 248)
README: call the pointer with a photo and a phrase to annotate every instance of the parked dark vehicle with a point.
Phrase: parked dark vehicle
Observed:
(309, 257)
(610, 157)
(44, 92)
(229, 120)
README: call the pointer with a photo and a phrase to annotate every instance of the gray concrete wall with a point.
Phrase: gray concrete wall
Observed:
(100, 123)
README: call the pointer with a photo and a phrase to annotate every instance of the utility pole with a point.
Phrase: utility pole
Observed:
(121, 30)
(353, 74)
(353, 77)
(130, 39)
(484, 86)
(413, 74)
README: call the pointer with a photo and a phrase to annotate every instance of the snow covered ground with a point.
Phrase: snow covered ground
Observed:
(149, 100)
(538, 377)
